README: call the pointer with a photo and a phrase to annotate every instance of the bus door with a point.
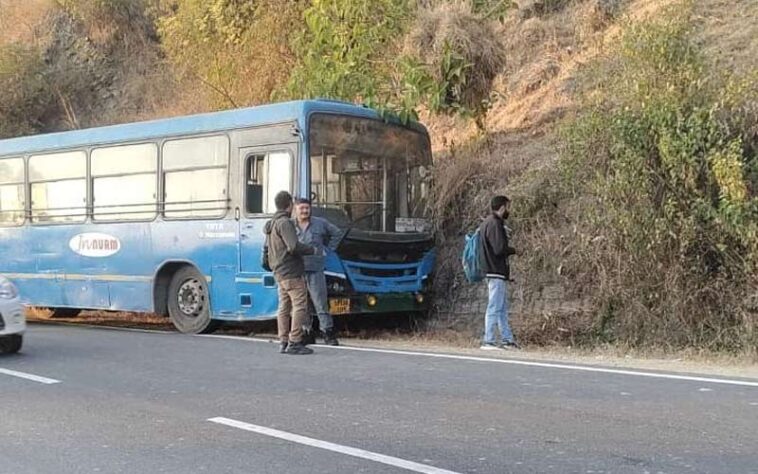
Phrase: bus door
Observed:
(266, 170)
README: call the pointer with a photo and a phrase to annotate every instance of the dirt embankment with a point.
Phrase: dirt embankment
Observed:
(547, 62)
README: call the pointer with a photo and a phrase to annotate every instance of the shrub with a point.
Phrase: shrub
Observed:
(461, 53)
(238, 50)
(671, 166)
(24, 95)
(343, 52)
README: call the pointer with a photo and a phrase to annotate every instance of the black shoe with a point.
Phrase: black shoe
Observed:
(512, 346)
(283, 347)
(330, 339)
(308, 338)
(297, 348)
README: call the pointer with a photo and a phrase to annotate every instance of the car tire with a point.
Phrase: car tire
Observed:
(11, 344)
(64, 313)
(189, 303)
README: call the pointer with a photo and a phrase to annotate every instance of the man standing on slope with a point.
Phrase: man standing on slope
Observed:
(494, 259)
(317, 232)
(285, 256)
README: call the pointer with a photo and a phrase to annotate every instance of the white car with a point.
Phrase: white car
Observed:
(12, 319)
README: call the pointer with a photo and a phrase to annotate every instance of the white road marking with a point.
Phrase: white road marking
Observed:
(528, 363)
(337, 448)
(32, 377)
(550, 365)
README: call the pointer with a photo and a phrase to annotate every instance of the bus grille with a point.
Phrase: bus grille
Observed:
(387, 278)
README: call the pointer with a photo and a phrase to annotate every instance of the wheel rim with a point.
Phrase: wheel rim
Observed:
(191, 298)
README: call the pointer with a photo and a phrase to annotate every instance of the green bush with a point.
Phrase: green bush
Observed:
(665, 151)
(237, 49)
(24, 95)
(348, 48)
(459, 54)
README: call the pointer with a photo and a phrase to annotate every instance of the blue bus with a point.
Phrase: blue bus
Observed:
(167, 216)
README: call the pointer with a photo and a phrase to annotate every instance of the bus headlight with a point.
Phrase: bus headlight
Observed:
(8, 290)
(420, 298)
(371, 300)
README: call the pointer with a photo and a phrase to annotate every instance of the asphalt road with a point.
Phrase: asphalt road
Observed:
(122, 401)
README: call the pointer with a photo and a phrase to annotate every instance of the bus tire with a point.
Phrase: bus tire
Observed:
(64, 312)
(189, 303)
(11, 344)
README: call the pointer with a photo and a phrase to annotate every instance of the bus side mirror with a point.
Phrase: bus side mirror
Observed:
(237, 213)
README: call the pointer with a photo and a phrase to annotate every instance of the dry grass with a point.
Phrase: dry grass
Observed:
(729, 33)
(19, 18)
(104, 318)
(452, 27)
(547, 55)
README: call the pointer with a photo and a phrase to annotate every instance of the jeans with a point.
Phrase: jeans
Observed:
(293, 309)
(316, 282)
(497, 312)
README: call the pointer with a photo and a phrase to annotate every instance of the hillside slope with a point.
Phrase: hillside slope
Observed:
(521, 156)
(558, 138)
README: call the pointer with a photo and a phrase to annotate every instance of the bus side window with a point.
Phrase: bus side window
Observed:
(124, 182)
(254, 184)
(195, 177)
(58, 184)
(12, 195)
(279, 175)
(265, 176)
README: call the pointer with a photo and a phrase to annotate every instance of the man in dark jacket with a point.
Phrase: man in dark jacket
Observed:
(285, 256)
(494, 259)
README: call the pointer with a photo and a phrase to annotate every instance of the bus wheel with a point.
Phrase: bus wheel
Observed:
(64, 312)
(189, 304)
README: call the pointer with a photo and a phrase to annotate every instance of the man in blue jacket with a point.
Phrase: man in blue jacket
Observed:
(318, 233)
(494, 260)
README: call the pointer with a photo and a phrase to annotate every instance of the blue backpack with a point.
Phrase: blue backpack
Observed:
(472, 266)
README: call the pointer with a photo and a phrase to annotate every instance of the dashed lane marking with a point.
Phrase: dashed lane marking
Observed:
(337, 448)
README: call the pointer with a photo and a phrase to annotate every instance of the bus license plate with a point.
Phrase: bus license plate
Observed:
(339, 305)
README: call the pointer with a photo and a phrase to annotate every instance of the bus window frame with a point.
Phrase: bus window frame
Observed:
(162, 178)
(87, 194)
(24, 184)
(91, 183)
(266, 151)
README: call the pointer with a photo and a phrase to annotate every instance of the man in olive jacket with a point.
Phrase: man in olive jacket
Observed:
(494, 259)
(285, 256)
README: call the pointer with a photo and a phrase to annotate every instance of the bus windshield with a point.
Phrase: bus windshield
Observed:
(368, 174)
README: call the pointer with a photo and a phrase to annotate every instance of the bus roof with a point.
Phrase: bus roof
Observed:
(184, 125)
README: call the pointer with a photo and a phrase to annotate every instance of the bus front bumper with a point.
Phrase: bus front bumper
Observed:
(379, 303)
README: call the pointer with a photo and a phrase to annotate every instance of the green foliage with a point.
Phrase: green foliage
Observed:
(458, 53)
(492, 9)
(112, 19)
(215, 22)
(347, 49)
(238, 49)
(352, 50)
(24, 96)
(665, 151)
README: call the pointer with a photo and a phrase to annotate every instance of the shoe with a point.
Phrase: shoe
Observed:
(510, 346)
(297, 348)
(330, 339)
(308, 338)
(490, 347)
(283, 347)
